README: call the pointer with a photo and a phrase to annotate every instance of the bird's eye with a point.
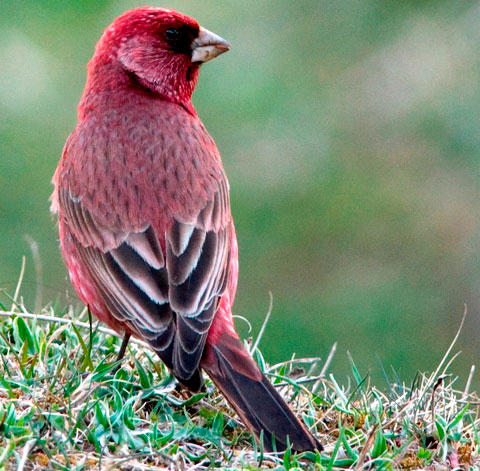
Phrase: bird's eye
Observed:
(172, 34)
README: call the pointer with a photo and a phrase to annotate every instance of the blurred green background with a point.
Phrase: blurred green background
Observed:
(350, 131)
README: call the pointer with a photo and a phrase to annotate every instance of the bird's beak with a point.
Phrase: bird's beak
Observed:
(207, 46)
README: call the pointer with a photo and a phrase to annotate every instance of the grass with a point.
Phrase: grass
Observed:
(64, 407)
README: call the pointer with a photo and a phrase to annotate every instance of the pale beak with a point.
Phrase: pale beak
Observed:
(207, 46)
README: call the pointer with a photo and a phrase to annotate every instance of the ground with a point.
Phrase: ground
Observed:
(64, 407)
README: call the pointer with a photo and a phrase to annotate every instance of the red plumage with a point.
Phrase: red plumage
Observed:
(144, 214)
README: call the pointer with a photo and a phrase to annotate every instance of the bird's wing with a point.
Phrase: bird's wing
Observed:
(166, 286)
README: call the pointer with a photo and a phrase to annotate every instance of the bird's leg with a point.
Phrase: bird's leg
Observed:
(123, 347)
(121, 352)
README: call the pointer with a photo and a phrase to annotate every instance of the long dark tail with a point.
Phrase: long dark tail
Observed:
(253, 397)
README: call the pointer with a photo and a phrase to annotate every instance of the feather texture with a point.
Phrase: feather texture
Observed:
(144, 214)
(172, 302)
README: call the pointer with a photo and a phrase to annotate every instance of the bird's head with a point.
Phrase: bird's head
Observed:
(158, 48)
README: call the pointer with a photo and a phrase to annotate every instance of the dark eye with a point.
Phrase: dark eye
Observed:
(172, 34)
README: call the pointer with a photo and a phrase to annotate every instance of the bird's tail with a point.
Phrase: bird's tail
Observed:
(253, 397)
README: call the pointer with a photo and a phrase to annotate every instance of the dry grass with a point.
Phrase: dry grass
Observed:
(63, 408)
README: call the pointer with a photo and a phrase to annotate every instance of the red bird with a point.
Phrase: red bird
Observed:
(144, 214)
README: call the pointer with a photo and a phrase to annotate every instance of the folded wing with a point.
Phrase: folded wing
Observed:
(165, 287)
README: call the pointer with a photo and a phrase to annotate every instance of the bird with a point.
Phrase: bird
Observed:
(144, 217)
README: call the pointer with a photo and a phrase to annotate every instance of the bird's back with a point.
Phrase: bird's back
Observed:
(159, 159)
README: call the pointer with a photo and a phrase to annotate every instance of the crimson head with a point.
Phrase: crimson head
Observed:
(160, 48)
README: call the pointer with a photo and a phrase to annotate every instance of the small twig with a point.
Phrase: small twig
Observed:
(62, 320)
(437, 385)
(244, 319)
(276, 366)
(289, 382)
(37, 264)
(447, 366)
(433, 377)
(366, 447)
(329, 359)
(469, 383)
(26, 451)
(402, 454)
(123, 458)
(325, 366)
(19, 283)
(454, 341)
(264, 325)
(299, 381)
